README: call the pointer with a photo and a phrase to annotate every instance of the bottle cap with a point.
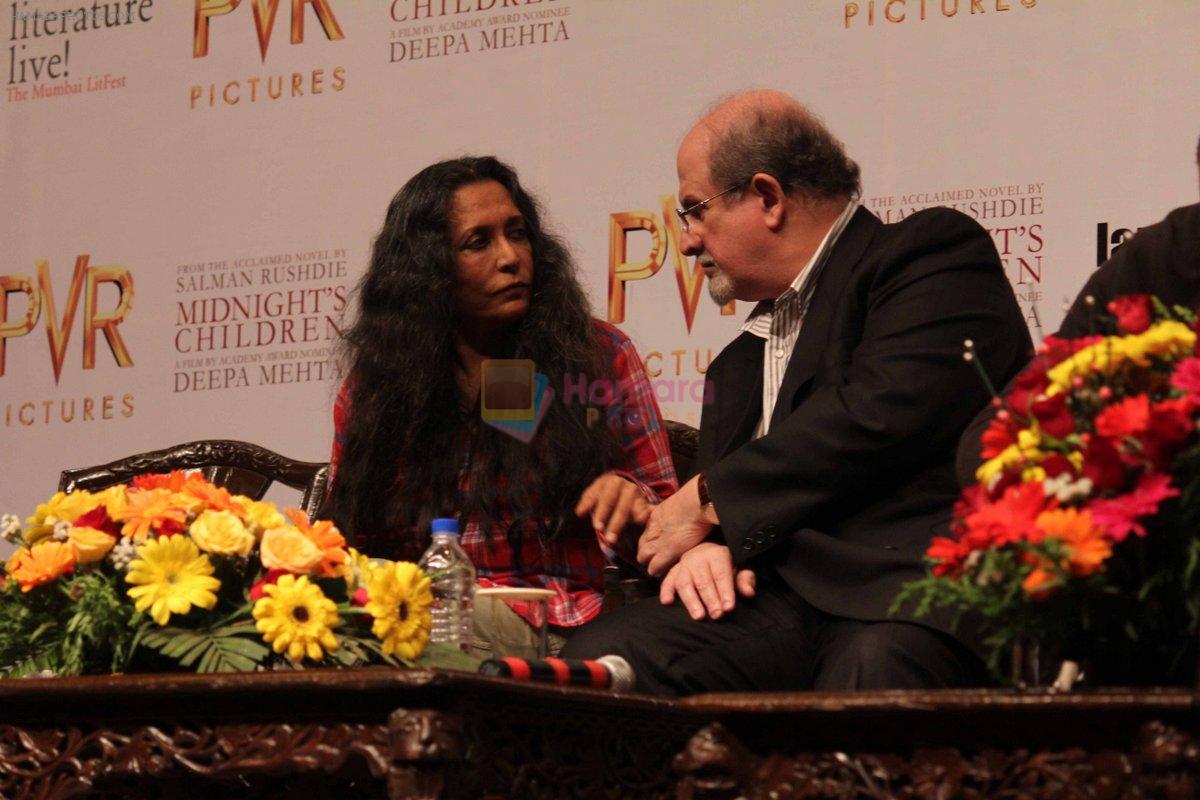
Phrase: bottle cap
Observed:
(445, 525)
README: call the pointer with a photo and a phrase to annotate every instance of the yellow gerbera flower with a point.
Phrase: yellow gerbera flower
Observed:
(399, 598)
(62, 506)
(170, 575)
(294, 615)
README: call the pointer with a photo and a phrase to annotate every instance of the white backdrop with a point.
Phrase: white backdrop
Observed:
(257, 174)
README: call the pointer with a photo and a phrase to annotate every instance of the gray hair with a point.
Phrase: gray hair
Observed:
(791, 145)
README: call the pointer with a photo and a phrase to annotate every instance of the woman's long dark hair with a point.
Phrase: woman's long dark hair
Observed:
(407, 437)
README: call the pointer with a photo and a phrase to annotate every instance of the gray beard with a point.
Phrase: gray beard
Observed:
(720, 288)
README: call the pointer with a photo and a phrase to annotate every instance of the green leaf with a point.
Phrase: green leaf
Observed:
(206, 663)
(255, 651)
(232, 662)
(180, 643)
(202, 646)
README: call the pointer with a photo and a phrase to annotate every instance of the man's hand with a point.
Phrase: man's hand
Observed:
(614, 502)
(676, 525)
(704, 580)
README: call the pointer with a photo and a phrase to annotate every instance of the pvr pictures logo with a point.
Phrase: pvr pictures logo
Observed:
(257, 88)
(85, 280)
(513, 396)
(264, 21)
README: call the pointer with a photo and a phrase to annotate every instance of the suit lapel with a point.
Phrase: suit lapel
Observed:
(736, 377)
(815, 330)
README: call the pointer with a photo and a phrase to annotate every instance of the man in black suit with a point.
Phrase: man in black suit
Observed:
(827, 458)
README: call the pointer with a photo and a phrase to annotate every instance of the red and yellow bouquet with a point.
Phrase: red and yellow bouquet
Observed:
(1082, 528)
(173, 572)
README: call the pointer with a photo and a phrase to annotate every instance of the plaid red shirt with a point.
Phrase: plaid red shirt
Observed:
(572, 566)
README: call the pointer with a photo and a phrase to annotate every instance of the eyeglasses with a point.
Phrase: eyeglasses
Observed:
(684, 213)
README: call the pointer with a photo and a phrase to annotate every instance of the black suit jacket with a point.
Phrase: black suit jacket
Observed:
(856, 474)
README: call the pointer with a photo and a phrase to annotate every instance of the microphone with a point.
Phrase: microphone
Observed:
(607, 672)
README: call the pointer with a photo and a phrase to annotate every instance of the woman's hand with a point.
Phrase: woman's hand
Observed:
(615, 502)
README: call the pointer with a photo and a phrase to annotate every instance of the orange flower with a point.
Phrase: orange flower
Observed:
(1035, 583)
(326, 537)
(1087, 546)
(217, 498)
(46, 562)
(149, 510)
(176, 480)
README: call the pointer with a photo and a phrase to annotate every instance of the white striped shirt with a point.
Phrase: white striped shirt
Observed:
(779, 320)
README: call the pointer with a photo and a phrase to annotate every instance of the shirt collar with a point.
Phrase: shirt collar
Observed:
(792, 292)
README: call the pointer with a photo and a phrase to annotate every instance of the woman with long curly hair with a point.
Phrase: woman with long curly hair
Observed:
(463, 271)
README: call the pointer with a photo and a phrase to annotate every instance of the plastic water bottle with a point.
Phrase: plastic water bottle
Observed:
(453, 583)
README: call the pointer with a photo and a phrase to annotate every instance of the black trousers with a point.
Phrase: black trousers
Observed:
(774, 641)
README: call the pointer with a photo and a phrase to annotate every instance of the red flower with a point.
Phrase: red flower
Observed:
(1118, 516)
(949, 555)
(1055, 349)
(1102, 464)
(169, 527)
(1171, 420)
(1057, 464)
(270, 579)
(1170, 423)
(98, 518)
(1029, 384)
(1133, 312)
(1129, 417)
(1053, 415)
(1009, 519)
(973, 498)
(997, 437)
(1187, 376)
(360, 598)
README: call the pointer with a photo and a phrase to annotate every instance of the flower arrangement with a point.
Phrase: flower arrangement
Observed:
(172, 572)
(1083, 529)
